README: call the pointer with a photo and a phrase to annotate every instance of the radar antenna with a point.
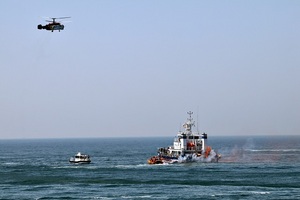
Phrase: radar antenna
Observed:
(190, 114)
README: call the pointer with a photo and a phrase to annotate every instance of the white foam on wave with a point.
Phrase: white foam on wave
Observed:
(139, 197)
(131, 166)
(240, 193)
(106, 198)
(212, 157)
(11, 163)
(260, 192)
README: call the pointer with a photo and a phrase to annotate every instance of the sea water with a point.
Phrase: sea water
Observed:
(250, 168)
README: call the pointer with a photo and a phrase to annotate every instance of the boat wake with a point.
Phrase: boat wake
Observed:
(273, 150)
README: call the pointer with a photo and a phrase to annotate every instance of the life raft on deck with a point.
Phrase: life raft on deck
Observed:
(207, 151)
(190, 144)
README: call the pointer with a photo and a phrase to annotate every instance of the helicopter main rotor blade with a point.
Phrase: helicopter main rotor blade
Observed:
(63, 21)
(62, 17)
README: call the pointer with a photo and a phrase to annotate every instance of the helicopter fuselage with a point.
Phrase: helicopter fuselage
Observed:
(52, 26)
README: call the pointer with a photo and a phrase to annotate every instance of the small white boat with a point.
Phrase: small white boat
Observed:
(80, 158)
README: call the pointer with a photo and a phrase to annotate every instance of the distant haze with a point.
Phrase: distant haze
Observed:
(134, 68)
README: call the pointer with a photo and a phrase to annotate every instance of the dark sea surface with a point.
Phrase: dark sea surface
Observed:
(250, 168)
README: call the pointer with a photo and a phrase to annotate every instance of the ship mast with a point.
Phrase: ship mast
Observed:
(189, 124)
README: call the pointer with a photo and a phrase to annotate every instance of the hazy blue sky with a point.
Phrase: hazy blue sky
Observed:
(134, 68)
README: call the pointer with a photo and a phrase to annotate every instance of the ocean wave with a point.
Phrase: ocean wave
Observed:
(12, 163)
(132, 166)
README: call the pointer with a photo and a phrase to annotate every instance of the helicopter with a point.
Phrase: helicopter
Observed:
(53, 25)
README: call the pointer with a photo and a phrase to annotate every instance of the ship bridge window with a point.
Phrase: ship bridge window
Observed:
(193, 137)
